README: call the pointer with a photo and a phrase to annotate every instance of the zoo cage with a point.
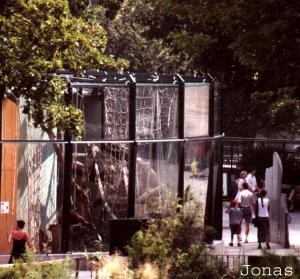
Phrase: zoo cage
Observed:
(146, 139)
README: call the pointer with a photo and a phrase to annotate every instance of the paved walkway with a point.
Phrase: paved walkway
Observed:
(251, 247)
(294, 230)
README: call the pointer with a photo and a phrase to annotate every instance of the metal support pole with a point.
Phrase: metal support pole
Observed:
(218, 213)
(67, 182)
(132, 149)
(211, 117)
(217, 160)
(181, 145)
(209, 209)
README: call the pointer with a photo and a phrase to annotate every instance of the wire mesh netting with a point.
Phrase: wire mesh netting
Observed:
(116, 107)
(100, 171)
(100, 183)
(157, 163)
(156, 112)
(106, 112)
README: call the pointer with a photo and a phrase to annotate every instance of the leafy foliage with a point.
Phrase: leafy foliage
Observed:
(252, 47)
(34, 270)
(192, 264)
(127, 39)
(174, 244)
(123, 21)
(39, 38)
(81, 7)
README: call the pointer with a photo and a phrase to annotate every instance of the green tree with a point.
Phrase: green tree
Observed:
(127, 38)
(110, 7)
(39, 38)
(252, 47)
(127, 35)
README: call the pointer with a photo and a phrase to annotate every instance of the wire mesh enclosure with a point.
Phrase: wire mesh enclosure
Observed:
(146, 139)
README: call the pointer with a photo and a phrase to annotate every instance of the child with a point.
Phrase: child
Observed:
(235, 218)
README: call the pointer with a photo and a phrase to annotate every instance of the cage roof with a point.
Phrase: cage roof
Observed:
(102, 78)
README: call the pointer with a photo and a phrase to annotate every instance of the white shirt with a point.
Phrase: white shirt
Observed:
(246, 198)
(239, 182)
(263, 210)
(251, 181)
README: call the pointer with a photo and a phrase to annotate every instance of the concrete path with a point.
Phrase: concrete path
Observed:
(251, 247)
(294, 230)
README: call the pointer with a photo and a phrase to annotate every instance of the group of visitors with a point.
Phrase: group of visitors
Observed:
(250, 203)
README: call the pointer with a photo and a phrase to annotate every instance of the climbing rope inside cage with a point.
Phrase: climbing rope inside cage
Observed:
(33, 175)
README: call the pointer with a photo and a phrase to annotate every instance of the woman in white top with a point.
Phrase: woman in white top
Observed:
(263, 227)
(239, 182)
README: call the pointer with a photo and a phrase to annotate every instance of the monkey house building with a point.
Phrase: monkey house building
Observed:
(146, 139)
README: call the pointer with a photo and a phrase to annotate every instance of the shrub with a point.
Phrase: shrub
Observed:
(34, 270)
(193, 264)
(117, 267)
(113, 267)
(175, 244)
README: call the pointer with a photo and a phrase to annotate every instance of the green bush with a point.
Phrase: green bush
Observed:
(30, 269)
(193, 264)
(175, 244)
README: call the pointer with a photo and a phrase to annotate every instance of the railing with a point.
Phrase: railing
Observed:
(88, 266)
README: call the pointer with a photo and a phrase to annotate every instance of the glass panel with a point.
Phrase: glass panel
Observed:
(156, 178)
(30, 179)
(196, 170)
(196, 111)
(106, 112)
(156, 112)
(100, 189)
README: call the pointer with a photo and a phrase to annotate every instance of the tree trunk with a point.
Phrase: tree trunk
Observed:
(57, 148)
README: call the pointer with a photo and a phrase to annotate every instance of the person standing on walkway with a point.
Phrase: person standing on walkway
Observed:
(251, 180)
(235, 217)
(239, 182)
(263, 225)
(246, 203)
(20, 238)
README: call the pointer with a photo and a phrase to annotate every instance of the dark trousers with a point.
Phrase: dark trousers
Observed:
(263, 229)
